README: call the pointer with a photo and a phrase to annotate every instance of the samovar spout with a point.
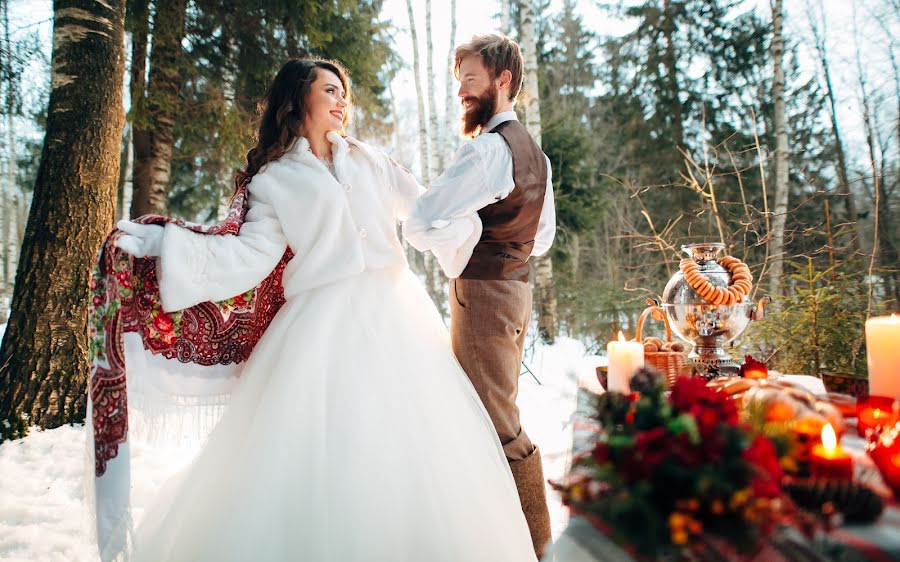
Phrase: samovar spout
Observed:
(760, 311)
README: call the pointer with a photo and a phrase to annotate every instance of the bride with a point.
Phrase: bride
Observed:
(353, 434)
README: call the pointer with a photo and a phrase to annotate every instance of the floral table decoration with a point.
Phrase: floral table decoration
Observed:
(679, 476)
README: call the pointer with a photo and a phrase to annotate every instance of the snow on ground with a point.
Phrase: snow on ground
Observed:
(43, 515)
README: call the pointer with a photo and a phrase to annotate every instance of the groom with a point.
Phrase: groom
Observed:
(483, 218)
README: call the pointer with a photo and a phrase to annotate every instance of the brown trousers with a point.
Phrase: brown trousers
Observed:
(488, 321)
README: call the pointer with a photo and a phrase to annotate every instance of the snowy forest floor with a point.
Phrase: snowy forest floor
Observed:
(43, 513)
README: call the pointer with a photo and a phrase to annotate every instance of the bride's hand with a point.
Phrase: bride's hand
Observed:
(140, 240)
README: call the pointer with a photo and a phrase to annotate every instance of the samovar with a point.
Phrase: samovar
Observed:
(708, 327)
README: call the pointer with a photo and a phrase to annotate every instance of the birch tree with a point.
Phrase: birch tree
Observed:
(779, 217)
(153, 166)
(427, 143)
(43, 357)
(9, 191)
(436, 161)
(545, 299)
(505, 17)
(420, 100)
(124, 188)
(451, 137)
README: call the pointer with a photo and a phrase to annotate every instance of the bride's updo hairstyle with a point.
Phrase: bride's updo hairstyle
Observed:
(283, 110)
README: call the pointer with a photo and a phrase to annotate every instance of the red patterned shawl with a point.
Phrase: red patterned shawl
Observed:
(125, 298)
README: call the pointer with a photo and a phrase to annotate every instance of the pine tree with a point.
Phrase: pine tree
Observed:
(43, 357)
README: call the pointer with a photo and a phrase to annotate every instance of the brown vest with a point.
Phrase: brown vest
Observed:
(509, 225)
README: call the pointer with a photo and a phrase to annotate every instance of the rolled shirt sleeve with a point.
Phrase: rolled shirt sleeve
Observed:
(445, 218)
(405, 187)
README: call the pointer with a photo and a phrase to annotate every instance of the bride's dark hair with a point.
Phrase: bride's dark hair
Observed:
(283, 110)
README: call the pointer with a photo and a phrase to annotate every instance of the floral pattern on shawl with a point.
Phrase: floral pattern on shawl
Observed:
(125, 298)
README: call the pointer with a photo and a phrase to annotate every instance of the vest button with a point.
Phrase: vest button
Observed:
(347, 187)
(363, 233)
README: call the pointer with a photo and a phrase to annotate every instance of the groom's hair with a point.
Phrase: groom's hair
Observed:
(498, 53)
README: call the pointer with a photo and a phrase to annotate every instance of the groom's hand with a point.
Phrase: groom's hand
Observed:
(140, 240)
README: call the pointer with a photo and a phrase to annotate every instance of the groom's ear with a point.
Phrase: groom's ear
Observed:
(505, 79)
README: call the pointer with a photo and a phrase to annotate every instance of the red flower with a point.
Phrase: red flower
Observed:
(687, 391)
(762, 456)
(751, 364)
(652, 446)
(688, 453)
(164, 323)
(710, 408)
(96, 300)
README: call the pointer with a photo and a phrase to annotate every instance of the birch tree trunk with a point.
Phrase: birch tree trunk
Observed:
(451, 135)
(433, 276)
(504, 17)
(151, 188)
(437, 148)
(544, 297)
(9, 193)
(124, 189)
(776, 273)
(425, 162)
(43, 357)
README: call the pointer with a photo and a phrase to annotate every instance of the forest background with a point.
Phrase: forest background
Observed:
(773, 127)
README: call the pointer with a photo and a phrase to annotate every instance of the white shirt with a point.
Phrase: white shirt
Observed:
(445, 218)
(337, 226)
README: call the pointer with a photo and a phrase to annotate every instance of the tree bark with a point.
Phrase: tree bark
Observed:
(124, 188)
(776, 273)
(425, 163)
(437, 147)
(10, 193)
(505, 17)
(43, 357)
(154, 137)
(451, 135)
(544, 297)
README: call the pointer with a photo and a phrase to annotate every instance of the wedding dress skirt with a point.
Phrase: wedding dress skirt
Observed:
(353, 435)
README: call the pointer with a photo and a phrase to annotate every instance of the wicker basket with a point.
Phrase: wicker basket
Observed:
(672, 364)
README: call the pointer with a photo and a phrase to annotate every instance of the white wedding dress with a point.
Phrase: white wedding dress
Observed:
(353, 434)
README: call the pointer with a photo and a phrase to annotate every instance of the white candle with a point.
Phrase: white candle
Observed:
(883, 353)
(624, 358)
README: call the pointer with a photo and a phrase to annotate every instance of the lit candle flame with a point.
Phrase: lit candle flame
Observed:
(621, 336)
(829, 439)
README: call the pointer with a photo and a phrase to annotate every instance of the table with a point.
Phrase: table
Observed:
(879, 541)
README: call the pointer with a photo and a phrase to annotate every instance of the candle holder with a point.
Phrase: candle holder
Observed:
(884, 450)
(876, 412)
(829, 460)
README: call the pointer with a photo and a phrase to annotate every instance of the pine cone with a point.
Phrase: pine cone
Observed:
(648, 380)
(858, 503)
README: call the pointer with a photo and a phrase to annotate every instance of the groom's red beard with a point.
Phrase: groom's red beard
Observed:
(479, 112)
